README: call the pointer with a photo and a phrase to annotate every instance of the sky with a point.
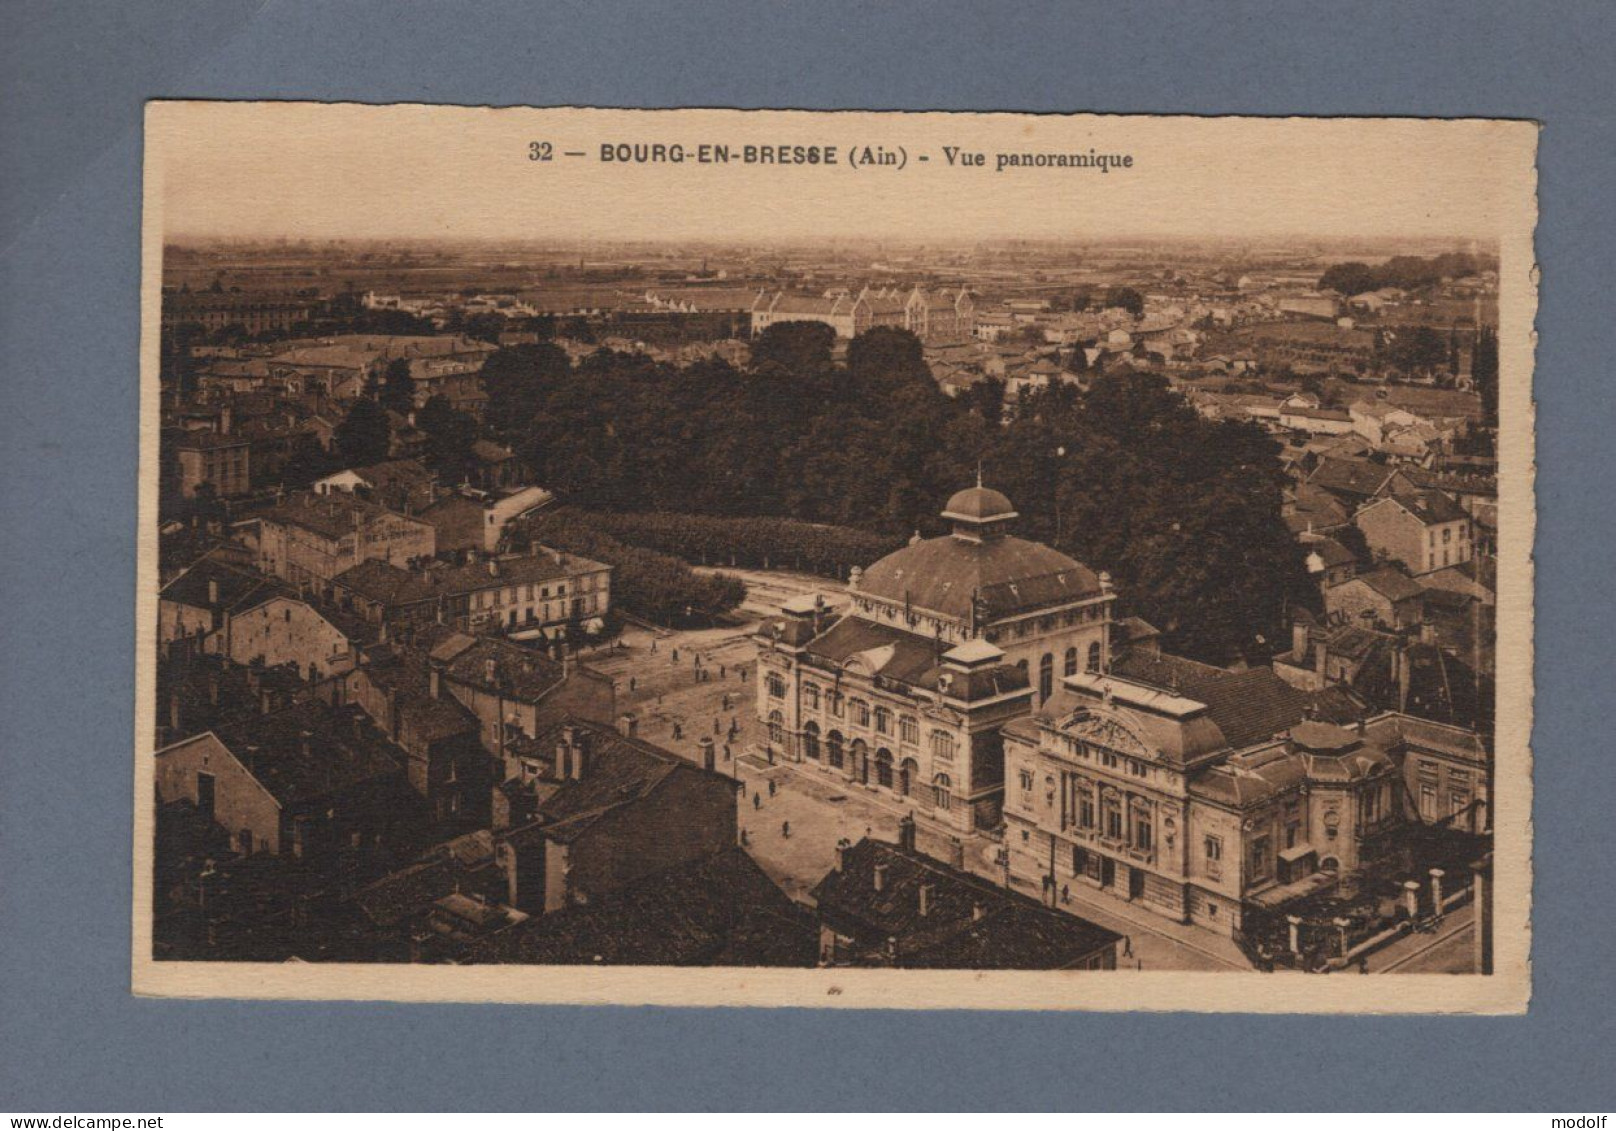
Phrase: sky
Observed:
(313, 171)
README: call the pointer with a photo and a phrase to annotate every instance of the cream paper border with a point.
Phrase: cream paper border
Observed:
(171, 125)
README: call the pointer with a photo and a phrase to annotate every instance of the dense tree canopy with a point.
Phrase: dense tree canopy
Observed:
(1184, 512)
(1406, 271)
(364, 435)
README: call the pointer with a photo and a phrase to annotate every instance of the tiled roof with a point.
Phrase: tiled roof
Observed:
(617, 771)
(1010, 574)
(719, 911)
(237, 588)
(310, 752)
(1391, 583)
(909, 657)
(969, 923)
(1249, 706)
(1356, 478)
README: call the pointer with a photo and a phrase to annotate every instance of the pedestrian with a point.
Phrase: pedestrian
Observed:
(678, 732)
(785, 830)
(721, 674)
(653, 645)
(757, 801)
(726, 751)
(676, 655)
(1066, 893)
(771, 787)
(743, 838)
(633, 683)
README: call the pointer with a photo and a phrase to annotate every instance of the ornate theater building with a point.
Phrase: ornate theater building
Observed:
(945, 642)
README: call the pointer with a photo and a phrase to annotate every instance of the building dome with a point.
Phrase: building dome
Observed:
(979, 504)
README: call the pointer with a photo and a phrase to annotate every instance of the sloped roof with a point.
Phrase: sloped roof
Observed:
(909, 657)
(969, 922)
(1249, 706)
(718, 911)
(1352, 477)
(309, 752)
(1009, 574)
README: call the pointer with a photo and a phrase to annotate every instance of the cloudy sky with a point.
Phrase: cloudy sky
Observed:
(311, 171)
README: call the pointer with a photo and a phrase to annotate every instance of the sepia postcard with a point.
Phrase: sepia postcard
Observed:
(846, 559)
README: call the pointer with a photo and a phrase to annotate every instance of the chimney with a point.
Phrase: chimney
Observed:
(1427, 630)
(841, 854)
(563, 760)
(174, 713)
(708, 760)
(880, 876)
(578, 742)
(434, 682)
(906, 833)
(925, 900)
(956, 853)
(213, 591)
(978, 912)
(628, 725)
(1321, 655)
(213, 690)
(304, 743)
(266, 700)
(490, 670)
(493, 567)
(1299, 639)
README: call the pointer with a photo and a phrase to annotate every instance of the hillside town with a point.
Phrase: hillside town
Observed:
(1001, 605)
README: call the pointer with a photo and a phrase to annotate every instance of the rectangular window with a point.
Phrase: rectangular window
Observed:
(1214, 849)
(1085, 811)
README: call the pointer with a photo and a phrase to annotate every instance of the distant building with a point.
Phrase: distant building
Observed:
(219, 460)
(1424, 530)
(543, 593)
(470, 519)
(307, 537)
(402, 485)
(1384, 596)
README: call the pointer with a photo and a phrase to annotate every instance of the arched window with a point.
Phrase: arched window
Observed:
(810, 696)
(883, 768)
(1046, 677)
(1022, 666)
(860, 761)
(1071, 662)
(942, 791)
(833, 748)
(777, 728)
(1094, 656)
(907, 772)
(810, 741)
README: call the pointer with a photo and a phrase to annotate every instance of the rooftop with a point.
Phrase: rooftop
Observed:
(968, 923)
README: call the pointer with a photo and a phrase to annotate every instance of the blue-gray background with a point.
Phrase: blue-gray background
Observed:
(72, 80)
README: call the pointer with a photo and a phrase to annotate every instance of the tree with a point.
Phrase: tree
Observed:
(1484, 373)
(803, 348)
(1127, 298)
(364, 436)
(450, 434)
(398, 388)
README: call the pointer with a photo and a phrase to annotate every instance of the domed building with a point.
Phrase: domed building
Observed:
(1049, 614)
(945, 641)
